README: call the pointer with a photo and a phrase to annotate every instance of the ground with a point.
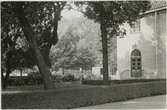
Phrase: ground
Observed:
(74, 95)
(154, 102)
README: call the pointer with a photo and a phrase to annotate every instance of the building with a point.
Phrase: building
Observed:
(148, 35)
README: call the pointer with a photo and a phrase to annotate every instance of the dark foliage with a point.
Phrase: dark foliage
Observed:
(110, 82)
(69, 78)
(25, 80)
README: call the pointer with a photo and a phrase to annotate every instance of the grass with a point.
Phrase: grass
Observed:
(75, 95)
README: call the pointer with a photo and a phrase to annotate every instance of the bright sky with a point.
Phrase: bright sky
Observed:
(71, 13)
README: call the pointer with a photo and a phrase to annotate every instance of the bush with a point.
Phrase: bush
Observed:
(65, 78)
(101, 82)
(31, 79)
(57, 78)
(35, 78)
(68, 78)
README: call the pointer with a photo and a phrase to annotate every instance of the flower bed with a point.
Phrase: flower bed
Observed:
(78, 97)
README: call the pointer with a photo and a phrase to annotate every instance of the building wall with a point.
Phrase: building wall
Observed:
(112, 56)
(162, 35)
(150, 40)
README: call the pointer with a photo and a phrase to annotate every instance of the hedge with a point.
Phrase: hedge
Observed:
(25, 80)
(73, 98)
(37, 79)
(69, 78)
(110, 82)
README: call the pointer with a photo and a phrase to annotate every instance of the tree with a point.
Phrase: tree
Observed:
(110, 15)
(84, 59)
(14, 55)
(39, 22)
(63, 52)
(67, 53)
(15, 59)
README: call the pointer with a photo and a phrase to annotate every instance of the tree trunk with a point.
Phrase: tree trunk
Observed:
(45, 53)
(21, 72)
(21, 77)
(29, 34)
(104, 45)
(105, 52)
(3, 85)
(54, 37)
(5, 79)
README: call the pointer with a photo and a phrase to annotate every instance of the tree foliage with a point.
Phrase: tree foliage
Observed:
(37, 22)
(114, 13)
(42, 16)
(66, 53)
(14, 52)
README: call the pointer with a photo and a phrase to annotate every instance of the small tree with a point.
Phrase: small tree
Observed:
(63, 52)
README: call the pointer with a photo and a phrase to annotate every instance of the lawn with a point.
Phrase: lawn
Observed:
(77, 95)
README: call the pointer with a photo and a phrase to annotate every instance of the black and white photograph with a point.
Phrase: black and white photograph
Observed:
(76, 54)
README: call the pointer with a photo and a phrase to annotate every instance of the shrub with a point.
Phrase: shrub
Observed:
(68, 78)
(35, 78)
(101, 82)
(57, 78)
(31, 79)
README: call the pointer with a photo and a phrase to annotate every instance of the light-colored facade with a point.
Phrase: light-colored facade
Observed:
(149, 35)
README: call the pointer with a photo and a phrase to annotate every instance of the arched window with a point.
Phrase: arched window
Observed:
(136, 63)
(136, 52)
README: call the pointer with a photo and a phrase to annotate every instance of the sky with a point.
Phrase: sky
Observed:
(71, 13)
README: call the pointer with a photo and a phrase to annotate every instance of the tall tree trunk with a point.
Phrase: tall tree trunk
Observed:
(105, 52)
(104, 45)
(29, 34)
(53, 37)
(45, 53)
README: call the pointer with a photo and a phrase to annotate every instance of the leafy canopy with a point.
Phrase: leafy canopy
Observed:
(114, 13)
(66, 53)
(42, 16)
